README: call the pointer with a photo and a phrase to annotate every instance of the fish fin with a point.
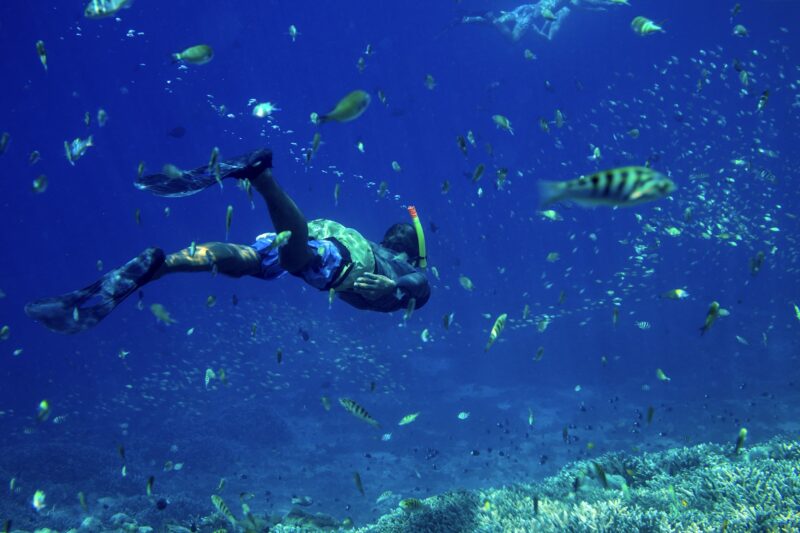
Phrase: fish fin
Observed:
(549, 192)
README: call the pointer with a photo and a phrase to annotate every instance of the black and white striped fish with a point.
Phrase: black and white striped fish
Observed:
(616, 187)
(358, 411)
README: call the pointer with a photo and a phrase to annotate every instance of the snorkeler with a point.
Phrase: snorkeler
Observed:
(328, 256)
(544, 17)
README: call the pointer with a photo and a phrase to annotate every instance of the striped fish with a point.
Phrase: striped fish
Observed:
(497, 329)
(359, 412)
(223, 508)
(616, 187)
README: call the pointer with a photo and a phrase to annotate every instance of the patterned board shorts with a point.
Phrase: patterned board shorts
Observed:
(327, 269)
(319, 273)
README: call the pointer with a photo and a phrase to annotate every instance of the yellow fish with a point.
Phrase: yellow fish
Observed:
(411, 504)
(740, 440)
(497, 328)
(675, 294)
(349, 108)
(643, 26)
(623, 186)
(359, 412)
(40, 50)
(161, 314)
(224, 510)
(408, 419)
(503, 123)
(196, 55)
(711, 317)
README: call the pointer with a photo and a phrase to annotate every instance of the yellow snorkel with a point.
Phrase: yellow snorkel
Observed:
(423, 262)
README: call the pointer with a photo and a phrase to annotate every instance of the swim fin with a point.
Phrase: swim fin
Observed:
(82, 309)
(179, 183)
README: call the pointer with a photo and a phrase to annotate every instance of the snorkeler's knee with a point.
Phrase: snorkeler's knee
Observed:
(294, 263)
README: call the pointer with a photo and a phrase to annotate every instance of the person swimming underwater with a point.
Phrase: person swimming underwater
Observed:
(327, 255)
(544, 17)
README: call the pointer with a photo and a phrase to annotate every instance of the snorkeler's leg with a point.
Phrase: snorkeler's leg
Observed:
(234, 260)
(286, 216)
(82, 309)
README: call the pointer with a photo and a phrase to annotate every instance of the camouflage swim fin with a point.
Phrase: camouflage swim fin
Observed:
(175, 183)
(84, 308)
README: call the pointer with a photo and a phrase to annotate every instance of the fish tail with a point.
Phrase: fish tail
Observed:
(549, 192)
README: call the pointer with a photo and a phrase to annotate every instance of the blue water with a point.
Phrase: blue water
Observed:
(266, 431)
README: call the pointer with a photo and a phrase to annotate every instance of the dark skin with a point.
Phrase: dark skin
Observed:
(237, 260)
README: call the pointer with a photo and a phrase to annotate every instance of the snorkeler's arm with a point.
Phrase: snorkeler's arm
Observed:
(414, 285)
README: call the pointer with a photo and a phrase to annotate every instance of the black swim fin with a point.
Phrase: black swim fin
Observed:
(84, 308)
(179, 183)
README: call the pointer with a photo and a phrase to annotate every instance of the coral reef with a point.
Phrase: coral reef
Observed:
(704, 488)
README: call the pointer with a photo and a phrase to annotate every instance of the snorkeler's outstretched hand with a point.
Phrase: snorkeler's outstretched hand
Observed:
(374, 286)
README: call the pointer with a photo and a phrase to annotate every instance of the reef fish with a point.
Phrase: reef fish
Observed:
(497, 328)
(675, 294)
(224, 510)
(503, 123)
(161, 314)
(411, 504)
(97, 9)
(196, 55)
(711, 317)
(623, 186)
(408, 419)
(644, 26)
(349, 108)
(359, 412)
(357, 481)
(42, 53)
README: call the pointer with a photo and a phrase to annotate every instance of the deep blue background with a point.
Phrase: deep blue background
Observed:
(51, 242)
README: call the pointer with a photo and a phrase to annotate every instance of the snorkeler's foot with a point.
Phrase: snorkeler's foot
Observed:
(247, 166)
(84, 308)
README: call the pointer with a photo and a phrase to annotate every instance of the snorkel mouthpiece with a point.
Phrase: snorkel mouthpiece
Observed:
(423, 262)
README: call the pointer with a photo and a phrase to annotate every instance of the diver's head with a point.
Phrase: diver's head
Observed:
(402, 238)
